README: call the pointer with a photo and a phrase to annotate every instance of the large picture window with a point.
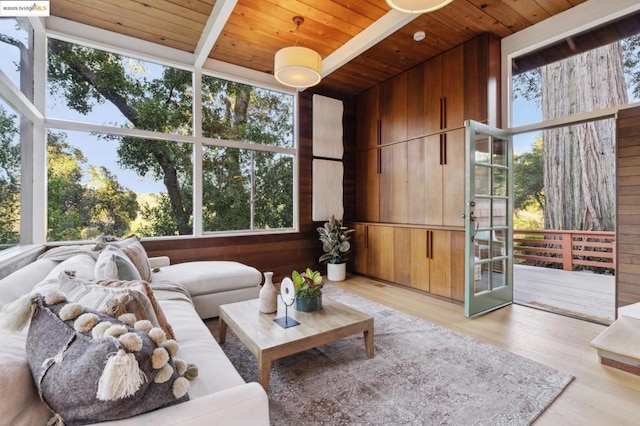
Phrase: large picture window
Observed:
(247, 188)
(122, 181)
(94, 86)
(107, 184)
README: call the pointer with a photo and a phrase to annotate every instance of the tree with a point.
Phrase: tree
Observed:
(77, 210)
(111, 207)
(231, 111)
(65, 193)
(579, 160)
(9, 179)
(528, 178)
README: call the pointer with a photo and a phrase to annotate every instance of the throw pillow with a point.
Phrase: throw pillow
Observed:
(20, 403)
(162, 319)
(82, 265)
(90, 367)
(113, 264)
(134, 250)
(100, 295)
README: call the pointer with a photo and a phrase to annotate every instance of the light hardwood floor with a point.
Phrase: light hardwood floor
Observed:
(598, 395)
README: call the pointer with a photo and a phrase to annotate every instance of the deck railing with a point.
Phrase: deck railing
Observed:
(571, 249)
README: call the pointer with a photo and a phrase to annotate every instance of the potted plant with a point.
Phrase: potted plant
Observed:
(308, 287)
(335, 244)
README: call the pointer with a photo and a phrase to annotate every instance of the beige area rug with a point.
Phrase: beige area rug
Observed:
(422, 374)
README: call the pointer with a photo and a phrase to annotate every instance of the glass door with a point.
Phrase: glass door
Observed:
(488, 219)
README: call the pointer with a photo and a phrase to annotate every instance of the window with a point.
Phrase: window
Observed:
(588, 72)
(130, 180)
(109, 184)
(90, 85)
(9, 177)
(247, 188)
(16, 51)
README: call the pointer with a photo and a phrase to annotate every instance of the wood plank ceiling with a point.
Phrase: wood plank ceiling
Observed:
(256, 29)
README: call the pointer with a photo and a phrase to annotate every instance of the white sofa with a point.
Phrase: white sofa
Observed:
(217, 396)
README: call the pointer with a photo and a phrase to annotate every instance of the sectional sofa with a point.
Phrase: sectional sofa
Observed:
(218, 395)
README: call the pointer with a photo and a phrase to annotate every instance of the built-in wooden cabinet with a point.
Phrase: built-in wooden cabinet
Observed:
(368, 165)
(430, 260)
(416, 102)
(482, 79)
(453, 177)
(444, 91)
(392, 107)
(411, 166)
(373, 248)
(393, 183)
(367, 120)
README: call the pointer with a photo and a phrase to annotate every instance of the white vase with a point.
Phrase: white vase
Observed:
(268, 295)
(336, 271)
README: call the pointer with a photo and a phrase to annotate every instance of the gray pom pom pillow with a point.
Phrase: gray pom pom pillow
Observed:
(90, 367)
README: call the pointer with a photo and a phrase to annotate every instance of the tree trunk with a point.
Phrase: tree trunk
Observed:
(579, 161)
(181, 212)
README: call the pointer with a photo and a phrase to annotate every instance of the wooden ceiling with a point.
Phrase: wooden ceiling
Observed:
(254, 30)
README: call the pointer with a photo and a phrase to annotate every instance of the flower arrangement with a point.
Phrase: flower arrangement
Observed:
(335, 241)
(308, 284)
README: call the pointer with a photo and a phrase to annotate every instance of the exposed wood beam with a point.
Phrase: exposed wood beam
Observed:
(216, 22)
(370, 36)
(98, 38)
(244, 75)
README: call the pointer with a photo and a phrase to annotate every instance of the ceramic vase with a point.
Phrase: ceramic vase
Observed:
(268, 295)
(336, 271)
(308, 304)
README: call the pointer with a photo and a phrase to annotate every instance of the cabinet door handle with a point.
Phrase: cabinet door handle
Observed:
(430, 244)
(441, 149)
(444, 112)
(444, 148)
(378, 161)
(378, 132)
(366, 237)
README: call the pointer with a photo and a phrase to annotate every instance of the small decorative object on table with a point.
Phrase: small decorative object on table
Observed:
(308, 287)
(268, 295)
(288, 295)
(335, 244)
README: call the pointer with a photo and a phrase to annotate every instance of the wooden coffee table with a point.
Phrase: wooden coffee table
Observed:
(268, 341)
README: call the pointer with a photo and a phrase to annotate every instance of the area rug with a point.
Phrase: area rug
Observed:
(422, 374)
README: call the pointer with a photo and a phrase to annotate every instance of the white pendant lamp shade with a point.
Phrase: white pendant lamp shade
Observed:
(417, 6)
(298, 67)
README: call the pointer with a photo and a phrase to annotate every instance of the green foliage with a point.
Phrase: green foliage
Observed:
(528, 175)
(157, 219)
(9, 180)
(307, 284)
(231, 111)
(78, 210)
(528, 218)
(631, 58)
(335, 241)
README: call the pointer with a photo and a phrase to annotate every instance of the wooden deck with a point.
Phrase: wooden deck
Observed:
(582, 294)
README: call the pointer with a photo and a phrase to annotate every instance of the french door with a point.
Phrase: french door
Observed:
(488, 218)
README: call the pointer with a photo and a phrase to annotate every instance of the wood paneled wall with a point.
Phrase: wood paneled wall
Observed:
(628, 207)
(280, 253)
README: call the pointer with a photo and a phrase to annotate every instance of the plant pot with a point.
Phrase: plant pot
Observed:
(308, 304)
(336, 271)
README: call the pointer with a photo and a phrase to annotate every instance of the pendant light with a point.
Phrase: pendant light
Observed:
(298, 66)
(417, 6)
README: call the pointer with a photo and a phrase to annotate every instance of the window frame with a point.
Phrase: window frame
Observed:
(576, 20)
(196, 139)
